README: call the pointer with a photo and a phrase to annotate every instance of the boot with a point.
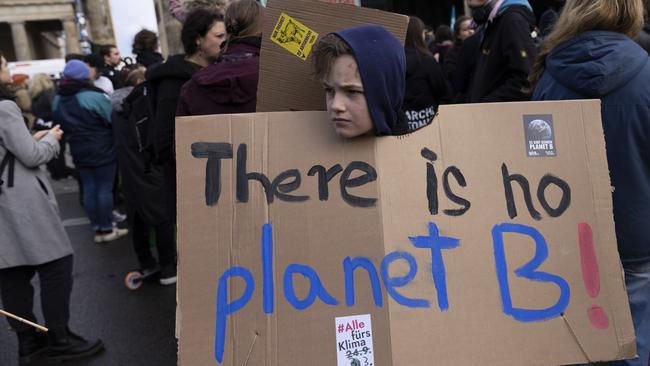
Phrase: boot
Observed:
(31, 344)
(65, 345)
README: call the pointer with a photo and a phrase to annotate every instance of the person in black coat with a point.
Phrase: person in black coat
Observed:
(165, 81)
(506, 51)
(463, 29)
(426, 87)
(142, 182)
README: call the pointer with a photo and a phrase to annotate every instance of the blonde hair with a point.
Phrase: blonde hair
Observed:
(40, 83)
(579, 16)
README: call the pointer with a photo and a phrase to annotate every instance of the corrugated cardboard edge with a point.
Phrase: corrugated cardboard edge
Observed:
(597, 163)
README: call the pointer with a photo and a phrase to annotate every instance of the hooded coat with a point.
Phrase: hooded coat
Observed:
(31, 232)
(227, 86)
(84, 113)
(165, 81)
(382, 66)
(506, 55)
(611, 67)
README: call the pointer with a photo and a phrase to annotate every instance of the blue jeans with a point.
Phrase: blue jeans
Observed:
(637, 280)
(98, 195)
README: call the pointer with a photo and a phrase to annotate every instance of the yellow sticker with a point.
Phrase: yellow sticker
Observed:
(293, 36)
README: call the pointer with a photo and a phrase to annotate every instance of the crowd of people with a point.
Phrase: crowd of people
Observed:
(118, 120)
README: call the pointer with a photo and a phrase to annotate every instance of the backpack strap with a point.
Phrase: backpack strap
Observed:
(7, 161)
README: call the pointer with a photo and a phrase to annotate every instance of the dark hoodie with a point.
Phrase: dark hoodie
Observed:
(610, 66)
(382, 66)
(426, 88)
(506, 56)
(165, 81)
(228, 86)
(643, 39)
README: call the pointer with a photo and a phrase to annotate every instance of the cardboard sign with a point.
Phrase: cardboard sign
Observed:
(451, 244)
(290, 30)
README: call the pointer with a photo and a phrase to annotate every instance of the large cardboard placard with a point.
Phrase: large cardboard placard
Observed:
(485, 238)
(290, 29)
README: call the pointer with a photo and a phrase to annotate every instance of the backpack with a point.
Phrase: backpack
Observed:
(137, 107)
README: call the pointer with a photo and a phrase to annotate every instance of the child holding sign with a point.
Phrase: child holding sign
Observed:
(363, 72)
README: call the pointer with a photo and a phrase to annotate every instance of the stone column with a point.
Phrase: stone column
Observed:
(21, 43)
(71, 36)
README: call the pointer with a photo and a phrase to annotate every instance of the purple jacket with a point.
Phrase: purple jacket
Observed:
(228, 86)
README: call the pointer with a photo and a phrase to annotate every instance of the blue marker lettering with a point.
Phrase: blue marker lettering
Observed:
(437, 243)
(349, 265)
(267, 269)
(225, 309)
(528, 271)
(392, 282)
(316, 288)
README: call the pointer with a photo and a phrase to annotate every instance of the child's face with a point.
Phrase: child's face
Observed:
(346, 102)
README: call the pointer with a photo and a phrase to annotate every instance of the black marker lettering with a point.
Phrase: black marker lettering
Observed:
(432, 181)
(510, 199)
(454, 198)
(281, 190)
(243, 177)
(214, 152)
(324, 176)
(566, 195)
(345, 183)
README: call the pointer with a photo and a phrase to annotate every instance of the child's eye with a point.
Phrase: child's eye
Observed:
(328, 90)
(355, 92)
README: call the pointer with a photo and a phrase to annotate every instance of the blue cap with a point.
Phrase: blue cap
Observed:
(382, 67)
(76, 70)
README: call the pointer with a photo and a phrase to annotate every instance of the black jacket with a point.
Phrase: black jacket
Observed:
(505, 59)
(426, 88)
(166, 80)
(143, 183)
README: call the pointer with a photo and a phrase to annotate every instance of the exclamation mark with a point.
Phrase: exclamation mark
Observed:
(591, 275)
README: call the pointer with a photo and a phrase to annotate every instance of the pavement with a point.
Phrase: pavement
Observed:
(137, 327)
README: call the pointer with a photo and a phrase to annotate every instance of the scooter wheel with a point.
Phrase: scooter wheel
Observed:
(133, 280)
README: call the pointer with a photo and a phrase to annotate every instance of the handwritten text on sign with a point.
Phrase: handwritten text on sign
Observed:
(357, 174)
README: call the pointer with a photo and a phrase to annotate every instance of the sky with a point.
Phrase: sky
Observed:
(129, 17)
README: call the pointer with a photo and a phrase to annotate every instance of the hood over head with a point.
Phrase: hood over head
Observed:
(382, 67)
(596, 63)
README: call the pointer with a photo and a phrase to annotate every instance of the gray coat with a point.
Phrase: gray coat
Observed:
(31, 232)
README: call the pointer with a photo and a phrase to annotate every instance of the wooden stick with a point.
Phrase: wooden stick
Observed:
(41, 328)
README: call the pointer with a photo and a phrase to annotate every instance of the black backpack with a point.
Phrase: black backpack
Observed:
(137, 107)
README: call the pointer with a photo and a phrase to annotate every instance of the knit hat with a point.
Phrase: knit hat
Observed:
(76, 70)
(382, 67)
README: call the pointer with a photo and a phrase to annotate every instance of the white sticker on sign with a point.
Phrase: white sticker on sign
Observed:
(354, 341)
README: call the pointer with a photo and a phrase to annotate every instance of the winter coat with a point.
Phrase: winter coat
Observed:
(84, 114)
(610, 66)
(227, 86)
(165, 81)
(465, 67)
(142, 182)
(506, 56)
(426, 88)
(31, 232)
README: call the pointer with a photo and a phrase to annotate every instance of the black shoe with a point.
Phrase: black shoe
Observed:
(65, 345)
(168, 274)
(31, 345)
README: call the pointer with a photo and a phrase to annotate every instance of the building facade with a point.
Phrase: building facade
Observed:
(44, 29)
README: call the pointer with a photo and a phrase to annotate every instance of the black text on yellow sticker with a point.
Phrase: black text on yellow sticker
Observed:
(293, 36)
